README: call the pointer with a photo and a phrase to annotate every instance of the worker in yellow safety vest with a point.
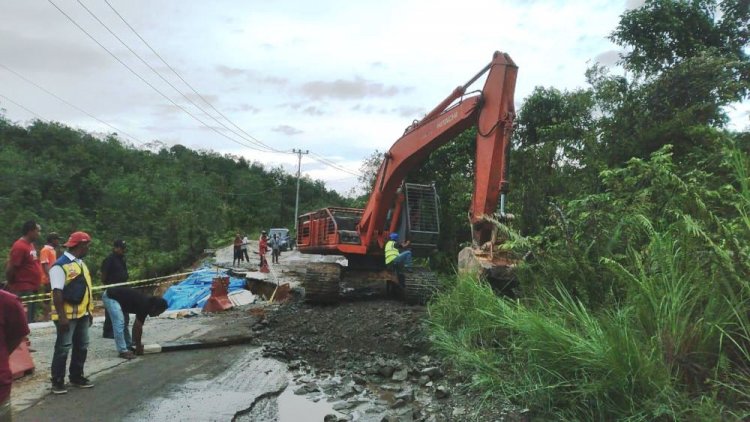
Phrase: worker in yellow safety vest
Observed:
(72, 310)
(394, 256)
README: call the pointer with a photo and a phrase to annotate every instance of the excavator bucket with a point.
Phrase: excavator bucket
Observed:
(496, 267)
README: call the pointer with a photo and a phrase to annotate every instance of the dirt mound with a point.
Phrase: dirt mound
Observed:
(371, 359)
(332, 337)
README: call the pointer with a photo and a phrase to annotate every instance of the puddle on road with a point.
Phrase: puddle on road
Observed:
(252, 388)
(294, 408)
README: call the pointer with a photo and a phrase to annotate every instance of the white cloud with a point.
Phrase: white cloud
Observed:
(634, 4)
(339, 78)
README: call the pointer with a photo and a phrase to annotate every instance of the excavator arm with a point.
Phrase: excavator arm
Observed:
(492, 111)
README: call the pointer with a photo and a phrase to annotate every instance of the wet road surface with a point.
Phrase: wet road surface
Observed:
(207, 385)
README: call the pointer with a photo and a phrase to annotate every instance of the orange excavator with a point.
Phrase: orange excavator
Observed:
(411, 210)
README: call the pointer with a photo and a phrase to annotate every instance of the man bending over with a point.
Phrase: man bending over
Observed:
(119, 301)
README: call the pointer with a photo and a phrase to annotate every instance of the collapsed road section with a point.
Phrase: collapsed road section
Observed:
(271, 360)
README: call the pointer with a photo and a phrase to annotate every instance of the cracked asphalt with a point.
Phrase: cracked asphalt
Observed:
(206, 385)
(220, 384)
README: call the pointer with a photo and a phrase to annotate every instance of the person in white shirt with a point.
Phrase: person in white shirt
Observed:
(245, 242)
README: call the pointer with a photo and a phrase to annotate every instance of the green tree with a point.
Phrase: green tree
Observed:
(169, 204)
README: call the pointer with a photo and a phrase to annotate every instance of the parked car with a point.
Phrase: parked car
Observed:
(286, 242)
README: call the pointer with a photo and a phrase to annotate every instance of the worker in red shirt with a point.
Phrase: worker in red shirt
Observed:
(263, 247)
(23, 271)
(13, 329)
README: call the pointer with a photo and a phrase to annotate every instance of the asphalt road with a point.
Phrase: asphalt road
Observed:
(123, 390)
(221, 384)
(224, 384)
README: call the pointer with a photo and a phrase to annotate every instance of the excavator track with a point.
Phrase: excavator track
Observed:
(420, 285)
(321, 283)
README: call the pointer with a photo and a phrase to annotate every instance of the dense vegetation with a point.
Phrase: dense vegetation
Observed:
(632, 198)
(633, 205)
(168, 203)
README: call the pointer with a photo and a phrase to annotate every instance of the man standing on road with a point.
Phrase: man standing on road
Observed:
(245, 242)
(237, 250)
(121, 301)
(48, 257)
(114, 270)
(73, 305)
(13, 329)
(275, 249)
(23, 272)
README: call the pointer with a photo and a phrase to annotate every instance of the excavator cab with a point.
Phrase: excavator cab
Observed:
(422, 217)
(418, 218)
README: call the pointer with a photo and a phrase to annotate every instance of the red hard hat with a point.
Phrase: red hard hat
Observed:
(76, 238)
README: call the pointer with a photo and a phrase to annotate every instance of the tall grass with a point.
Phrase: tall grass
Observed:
(670, 342)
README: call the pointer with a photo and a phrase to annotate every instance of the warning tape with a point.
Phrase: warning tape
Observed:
(43, 297)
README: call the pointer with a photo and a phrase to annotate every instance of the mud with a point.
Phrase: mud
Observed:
(372, 361)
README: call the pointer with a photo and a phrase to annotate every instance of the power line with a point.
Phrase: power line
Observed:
(186, 82)
(70, 104)
(157, 73)
(342, 179)
(147, 82)
(329, 163)
(333, 166)
(318, 158)
(20, 105)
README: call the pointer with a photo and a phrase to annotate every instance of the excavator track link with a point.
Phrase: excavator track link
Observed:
(321, 283)
(420, 285)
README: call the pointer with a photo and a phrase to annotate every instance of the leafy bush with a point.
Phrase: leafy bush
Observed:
(636, 304)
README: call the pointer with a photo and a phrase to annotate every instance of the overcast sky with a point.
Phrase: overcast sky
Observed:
(338, 78)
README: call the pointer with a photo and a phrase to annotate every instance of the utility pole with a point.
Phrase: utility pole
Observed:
(299, 153)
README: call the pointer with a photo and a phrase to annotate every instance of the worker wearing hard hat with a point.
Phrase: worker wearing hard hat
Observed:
(394, 256)
(72, 309)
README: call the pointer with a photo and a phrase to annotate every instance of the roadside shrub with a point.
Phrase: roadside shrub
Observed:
(635, 307)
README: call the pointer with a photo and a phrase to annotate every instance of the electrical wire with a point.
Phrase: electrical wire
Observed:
(186, 82)
(157, 73)
(323, 160)
(21, 106)
(329, 163)
(318, 158)
(68, 103)
(147, 82)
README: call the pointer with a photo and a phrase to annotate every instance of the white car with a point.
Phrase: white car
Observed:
(286, 242)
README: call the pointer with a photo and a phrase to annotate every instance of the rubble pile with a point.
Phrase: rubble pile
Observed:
(372, 361)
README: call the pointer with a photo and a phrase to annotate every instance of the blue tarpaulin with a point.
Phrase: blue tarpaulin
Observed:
(193, 292)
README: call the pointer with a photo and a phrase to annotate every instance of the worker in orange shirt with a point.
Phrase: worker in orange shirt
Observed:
(47, 257)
